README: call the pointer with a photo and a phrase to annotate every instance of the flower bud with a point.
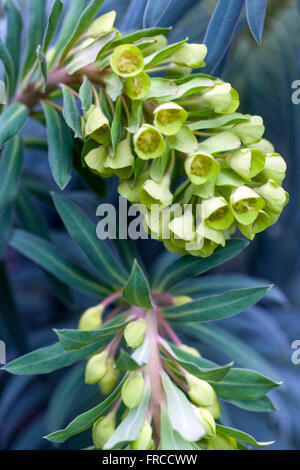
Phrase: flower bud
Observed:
(122, 162)
(96, 125)
(127, 61)
(246, 205)
(134, 333)
(182, 300)
(201, 167)
(133, 391)
(160, 43)
(247, 162)
(250, 131)
(156, 194)
(217, 213)
(190, 55)
(91, 318)
(275, 168)
(102, 25)
(188, 349)
(208, 422)
(169, 117)
(200, 391)
(144, 440)
(276, 197)
(96, 368)
(222, 442)
(215, 409)
(149, 143)
(222, 98)
(95, 159)
(103, 429)
(138, 87)
(109, 380)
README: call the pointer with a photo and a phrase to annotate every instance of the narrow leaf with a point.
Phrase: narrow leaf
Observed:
(116, 125)
(154, 12)
(216, 307)
(71, 112)
(13, 36)
(129, 38)
(10, 170)
(8, 63)
(42, 67)
(48, 257)
(158, 56)
(52, 24)
(11, 121)
(84, 233)
(241, 436)
(35, 33)
(136, 291)
(256, 13)
(60, 144)
(86, 94)
(261, 405)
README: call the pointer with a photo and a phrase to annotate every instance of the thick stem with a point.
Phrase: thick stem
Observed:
(154, 370)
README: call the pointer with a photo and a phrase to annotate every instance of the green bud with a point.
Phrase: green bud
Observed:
(144, 440)
(182, 300)
(217, 213)
(149, 143)
(95, 160)
(103, 429)
(200, 391)
(160, 43)
(131, 190)
(183, 227)
(169, 117)
(138, 87)
(127, 61)
(102, 25)
(275, 168)
(109, 380)
(261, 223)
(190, 55)
(188, 349)
(276, 197)
(201, 167)
(247, 162)
(222, 98)
(250, 131)
(208, 422)
(96, 368)
(222, 442)
(158, 194)
(133, 391)
(134, 333)
(122, 162)
(96, 125)
(246, 205)
(215, 409)
(91, 318)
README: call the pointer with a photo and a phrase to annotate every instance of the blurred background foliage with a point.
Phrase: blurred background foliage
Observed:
(261, 338)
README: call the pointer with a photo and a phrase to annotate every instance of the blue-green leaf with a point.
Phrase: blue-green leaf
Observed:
(129, 38)
(48, 257)
(261, 405)
(154, 11)
(136, 291)
(71, 112)
(52, 24)
(86, 94)
(241, 436)
(60, 144)
(8, 63)
(10, 170)
(256, 13)
(216, 307)
(189, 266)
(13, 35)
(42, 67)
(11, 121)
(35, 33)
(116, 125)
(84, 233)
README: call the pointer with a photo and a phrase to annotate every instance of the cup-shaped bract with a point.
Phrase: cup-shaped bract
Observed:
(246, 204)
(127, 60)
(103, 429)
(217, 213)
(96, 368)
(130, 189)
(275, 168)
(91, 319)
(183, 227)
(201, 167)
(122, 163)
(156, 194)
(261, 223)
(138, 87)
(169, 117)
(275, 196)
(190, 55)
(134, 333)
(149, 143)
(222, 98)
(133, 391)
(250, 131)
(144, 440)
(96, 125)
(95, 159)
(247, 162)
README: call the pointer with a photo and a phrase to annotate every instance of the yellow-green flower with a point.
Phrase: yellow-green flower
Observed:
(275, 168)
(217, 213)
(149, 143)
(138, 87)
(275, 196)
(156, 194)
(222, 98)
(122, 162)
(261, 223)
(201, 167)
(250, 131)
(246, 204)
(190, 55)
(169, 117)
(95, 160)
(96, 125)
(127, 61)
(247, 162)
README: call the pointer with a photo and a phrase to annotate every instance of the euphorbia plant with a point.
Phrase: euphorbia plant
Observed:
(172, 137)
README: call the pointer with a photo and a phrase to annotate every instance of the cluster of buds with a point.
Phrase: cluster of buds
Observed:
(147, 340)
(177, 141)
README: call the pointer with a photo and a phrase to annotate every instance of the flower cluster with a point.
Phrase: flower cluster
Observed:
(151, 363)
(199, 168)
